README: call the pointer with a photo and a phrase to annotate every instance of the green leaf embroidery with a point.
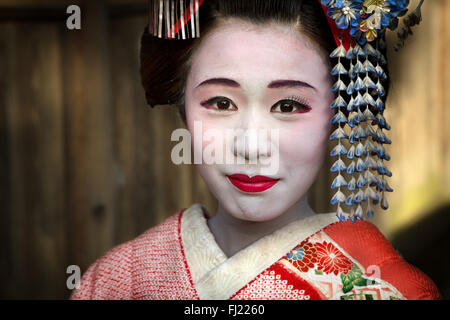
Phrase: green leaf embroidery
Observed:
(360, 282)
(353, 278)
(347, 288)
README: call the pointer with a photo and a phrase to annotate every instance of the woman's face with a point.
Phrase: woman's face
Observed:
(270, 85)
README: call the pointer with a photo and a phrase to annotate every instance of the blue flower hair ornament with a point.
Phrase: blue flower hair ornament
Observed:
(367, 19)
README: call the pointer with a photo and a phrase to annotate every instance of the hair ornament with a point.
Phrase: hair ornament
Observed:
(174, 19)
(359, 28)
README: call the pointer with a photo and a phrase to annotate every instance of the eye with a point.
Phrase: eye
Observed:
(290, 106)
(219, 103)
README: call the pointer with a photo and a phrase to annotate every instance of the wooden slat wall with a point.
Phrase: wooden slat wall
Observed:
(91, 181)
(86, 163)
(32, 94)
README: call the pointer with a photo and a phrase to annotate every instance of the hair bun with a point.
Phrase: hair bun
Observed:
(160, 62)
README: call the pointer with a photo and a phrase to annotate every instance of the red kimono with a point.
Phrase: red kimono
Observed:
(314, 258)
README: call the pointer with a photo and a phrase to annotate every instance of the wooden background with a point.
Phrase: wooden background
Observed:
(85, 163)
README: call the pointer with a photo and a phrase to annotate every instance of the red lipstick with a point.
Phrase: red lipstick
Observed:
(253, 184)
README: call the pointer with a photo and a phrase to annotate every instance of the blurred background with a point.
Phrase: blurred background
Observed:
(85, 163)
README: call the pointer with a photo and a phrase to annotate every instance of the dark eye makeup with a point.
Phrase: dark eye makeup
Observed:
(219, 103)
(289, 105)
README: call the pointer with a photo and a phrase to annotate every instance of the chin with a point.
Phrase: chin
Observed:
(255, 213)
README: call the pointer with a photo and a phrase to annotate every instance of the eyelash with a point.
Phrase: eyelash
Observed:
(301, 101)
(304, 104)
(208, 103)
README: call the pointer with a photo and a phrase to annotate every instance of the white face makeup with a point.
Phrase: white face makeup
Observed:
(245, 76)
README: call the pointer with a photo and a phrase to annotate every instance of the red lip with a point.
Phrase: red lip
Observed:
(253, 184)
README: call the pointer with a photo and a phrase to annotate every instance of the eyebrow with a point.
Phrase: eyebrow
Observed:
(273, 85)
(221, 81)
(289, 84)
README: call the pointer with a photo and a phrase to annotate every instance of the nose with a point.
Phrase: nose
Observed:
(252, 140)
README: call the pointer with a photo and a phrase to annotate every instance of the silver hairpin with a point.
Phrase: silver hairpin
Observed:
(191, 6)
(167, 16)
(182, 10)
(197, 19)
(170, 19)
(160, 18)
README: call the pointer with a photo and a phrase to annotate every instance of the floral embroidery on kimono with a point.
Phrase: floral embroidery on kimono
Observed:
(319, 269)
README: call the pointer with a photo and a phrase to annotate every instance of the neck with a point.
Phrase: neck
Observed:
(233, 235)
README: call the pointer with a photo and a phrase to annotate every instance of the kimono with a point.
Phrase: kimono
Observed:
(315, 258)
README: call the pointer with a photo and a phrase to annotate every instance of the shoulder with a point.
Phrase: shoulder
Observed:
(111, 275)
(362, 239)
(366, 243)
(107, 277)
